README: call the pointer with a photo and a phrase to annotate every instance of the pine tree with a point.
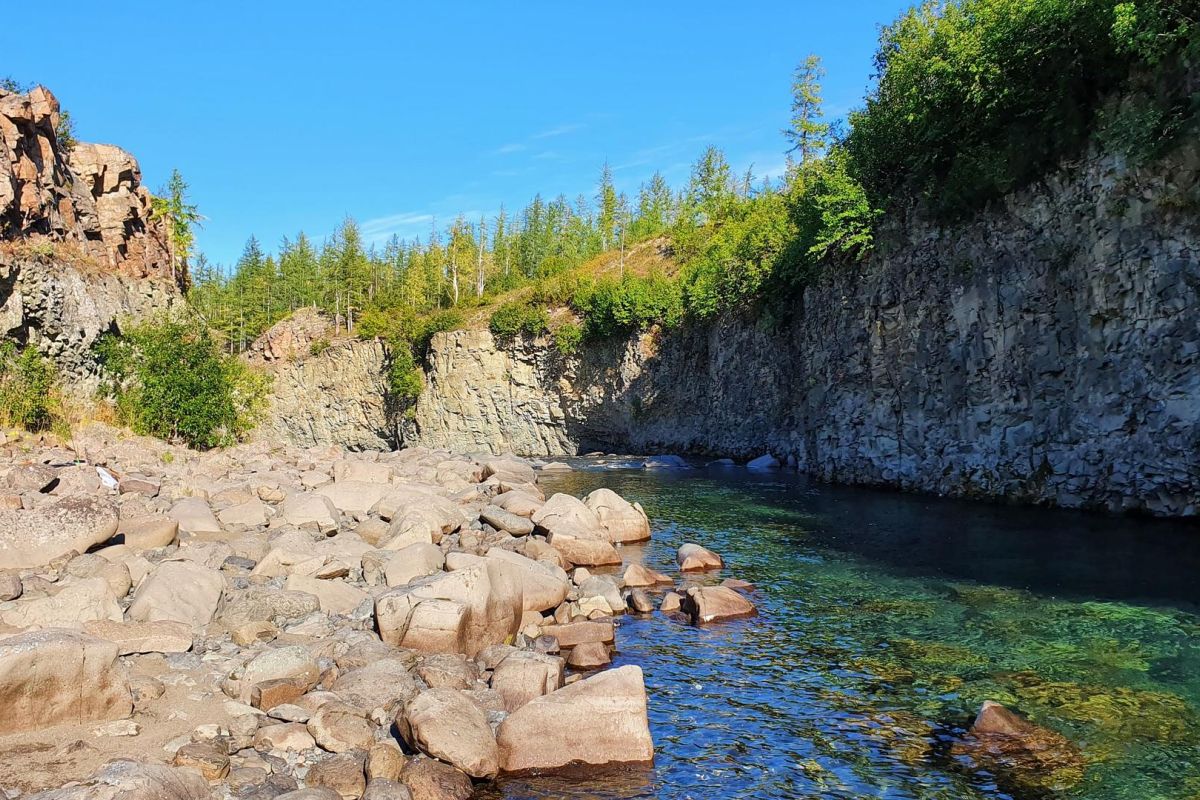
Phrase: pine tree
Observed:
(808, 133)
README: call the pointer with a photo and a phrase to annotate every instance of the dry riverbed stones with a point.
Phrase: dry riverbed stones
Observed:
(275, 622)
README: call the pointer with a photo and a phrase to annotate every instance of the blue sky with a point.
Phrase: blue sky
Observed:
(290, 116)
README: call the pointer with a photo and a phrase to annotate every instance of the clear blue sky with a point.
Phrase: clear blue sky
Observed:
(290, 116)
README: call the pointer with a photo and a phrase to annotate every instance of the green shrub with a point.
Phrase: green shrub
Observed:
(511, 319)
(403, 375)
(567, 338)
(29, 396)
(170, 379)
(617, 307)
(318, 346)
(388, 324)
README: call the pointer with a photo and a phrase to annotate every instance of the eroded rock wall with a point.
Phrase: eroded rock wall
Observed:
(1046, 351)
(324, 389)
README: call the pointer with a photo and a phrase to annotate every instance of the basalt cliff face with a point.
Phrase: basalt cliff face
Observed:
(80, 250)
(324, 389)
(1046, 351)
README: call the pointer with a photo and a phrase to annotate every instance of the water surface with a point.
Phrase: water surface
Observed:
(885, 620)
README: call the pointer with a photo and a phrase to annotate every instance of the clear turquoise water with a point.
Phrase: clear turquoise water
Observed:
(884, 621)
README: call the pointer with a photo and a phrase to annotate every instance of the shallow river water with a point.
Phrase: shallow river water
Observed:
(884, 621)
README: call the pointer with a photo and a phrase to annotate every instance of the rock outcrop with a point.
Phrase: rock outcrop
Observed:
(325, 390)
(80, 250)
(1044, 351)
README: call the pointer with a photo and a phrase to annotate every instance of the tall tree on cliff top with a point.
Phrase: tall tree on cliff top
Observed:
(181, 216)
(606, 203)
(808, 133)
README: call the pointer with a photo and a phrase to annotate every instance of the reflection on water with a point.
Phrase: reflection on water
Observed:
(885, 620)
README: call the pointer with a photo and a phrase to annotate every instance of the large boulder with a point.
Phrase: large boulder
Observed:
(380, 684)
(134, 780)
(623, 521)
(266, 604)
(429, 779)
(336, 597)
(76, 603)
(414, 561)
(575, 532)
(598, 720)
(36, 537)
(56, 676)
(354, 497)
(543, 586)
(194, 516)
(694, 558)
(291, 663)
(181, 591)
(462, 611)
(306, 510)
(714, 603)
(525, 675)
(448, 725)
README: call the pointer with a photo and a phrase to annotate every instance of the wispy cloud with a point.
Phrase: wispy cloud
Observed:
(403, 224)
(511, 147)
(558, 130)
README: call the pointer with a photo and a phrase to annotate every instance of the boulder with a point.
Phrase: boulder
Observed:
(78, 602)
(428, 779)
(179, 591)
(586, 550)
(147, 532)
(265, 604)
(143, 637)
(575, 633)
(621, 520)
(291, 662)
(694, 558)
(763, 462)
(194, 516)
(380, 684)
(562, 512)
(343, 773)
(208, 758)
(385, 789)
(448, 725)
(305, 510)
(55, 677)
(589, 655)
(637, 575)
(133, 780)
(523, 675)
(355, 498)
(462, 611)
(503, 520)
(336, 597)
(291, 736)
(36, 537)
(1026, 759)
(519, 503)
(340, 728)
(543, 586)
(714, 603)
(414, 561)
(598, 720)
(250, 514)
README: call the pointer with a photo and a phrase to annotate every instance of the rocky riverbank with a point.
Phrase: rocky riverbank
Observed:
(274, 622)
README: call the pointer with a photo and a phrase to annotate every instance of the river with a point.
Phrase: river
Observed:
(884, 621)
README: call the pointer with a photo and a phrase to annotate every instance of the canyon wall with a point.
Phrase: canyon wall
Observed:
(1045, 351)
(81, 251)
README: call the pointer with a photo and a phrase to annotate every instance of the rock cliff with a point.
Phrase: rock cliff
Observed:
(80, 250)
(1044, 351)
(325, 390)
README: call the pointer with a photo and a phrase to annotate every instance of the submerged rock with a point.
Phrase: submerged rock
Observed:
(1020, 753)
